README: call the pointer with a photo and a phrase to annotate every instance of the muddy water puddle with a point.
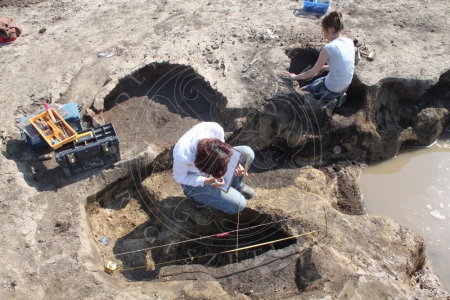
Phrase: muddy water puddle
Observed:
(414, 189)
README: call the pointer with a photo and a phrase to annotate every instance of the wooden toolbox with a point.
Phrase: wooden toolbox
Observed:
(56, 134)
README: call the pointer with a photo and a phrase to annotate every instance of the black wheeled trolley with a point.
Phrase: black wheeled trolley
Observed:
(93, 148)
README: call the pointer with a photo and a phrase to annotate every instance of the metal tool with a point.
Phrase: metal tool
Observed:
(248, 67)
(41, 157)
(370, 56)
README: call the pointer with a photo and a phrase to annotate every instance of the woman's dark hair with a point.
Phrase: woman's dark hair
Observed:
(213, 156)
(333, 19)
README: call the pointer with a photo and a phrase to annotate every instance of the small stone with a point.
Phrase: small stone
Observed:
(42, 30)
(98, 120)
(90, 113)
(98, 105)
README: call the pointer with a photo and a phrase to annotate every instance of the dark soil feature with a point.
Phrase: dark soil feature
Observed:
(206, 252)
(287, 130)
(141, 119)
(349, 192)
(306, 272)
(356, 98)
(178, 87)
(303, 59)
(269, 276)
(348, 202)
(397, 108)
(159, 103)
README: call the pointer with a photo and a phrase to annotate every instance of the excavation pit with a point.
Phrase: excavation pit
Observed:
(303, 59)
(146, 216)
(157, 104)
(150, 228)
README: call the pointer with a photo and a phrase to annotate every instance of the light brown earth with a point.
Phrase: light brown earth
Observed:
(51, 225)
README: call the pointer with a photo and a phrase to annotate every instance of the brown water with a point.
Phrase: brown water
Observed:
(414, 189)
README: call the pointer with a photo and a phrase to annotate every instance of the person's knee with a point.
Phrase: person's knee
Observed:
(248, 151)
(240, 207)
(252, 154)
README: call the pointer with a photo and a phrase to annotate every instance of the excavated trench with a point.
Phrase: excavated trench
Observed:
(376, 121)
(138, 224)
(147, 218)
(156, 106)
(303, 59)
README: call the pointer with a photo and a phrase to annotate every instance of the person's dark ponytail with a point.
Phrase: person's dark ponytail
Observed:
(335, 20)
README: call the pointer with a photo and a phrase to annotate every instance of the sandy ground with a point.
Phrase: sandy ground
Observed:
(46, 242)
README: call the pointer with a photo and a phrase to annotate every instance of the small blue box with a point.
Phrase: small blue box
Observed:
(316, 6)
(72, 118)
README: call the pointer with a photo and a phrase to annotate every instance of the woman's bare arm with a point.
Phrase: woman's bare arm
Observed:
(319, 66)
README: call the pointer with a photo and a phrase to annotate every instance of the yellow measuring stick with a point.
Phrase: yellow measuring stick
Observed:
(247, 160)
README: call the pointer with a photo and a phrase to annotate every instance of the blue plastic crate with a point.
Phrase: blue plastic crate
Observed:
(316, 6)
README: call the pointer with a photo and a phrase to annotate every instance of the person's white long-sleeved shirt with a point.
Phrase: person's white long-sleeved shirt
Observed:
(184, 170)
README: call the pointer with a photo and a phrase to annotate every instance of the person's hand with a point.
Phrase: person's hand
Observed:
(217, 182)
(288, 75)
(220, 182)
(239, 171)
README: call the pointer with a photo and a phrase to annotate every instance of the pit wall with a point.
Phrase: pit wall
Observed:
(315, 268)
(373, 124)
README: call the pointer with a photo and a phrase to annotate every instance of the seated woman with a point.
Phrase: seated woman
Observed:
(201, 159)
(340, 56)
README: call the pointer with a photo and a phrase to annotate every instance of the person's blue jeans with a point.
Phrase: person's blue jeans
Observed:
(228, 202)
(320, 91)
